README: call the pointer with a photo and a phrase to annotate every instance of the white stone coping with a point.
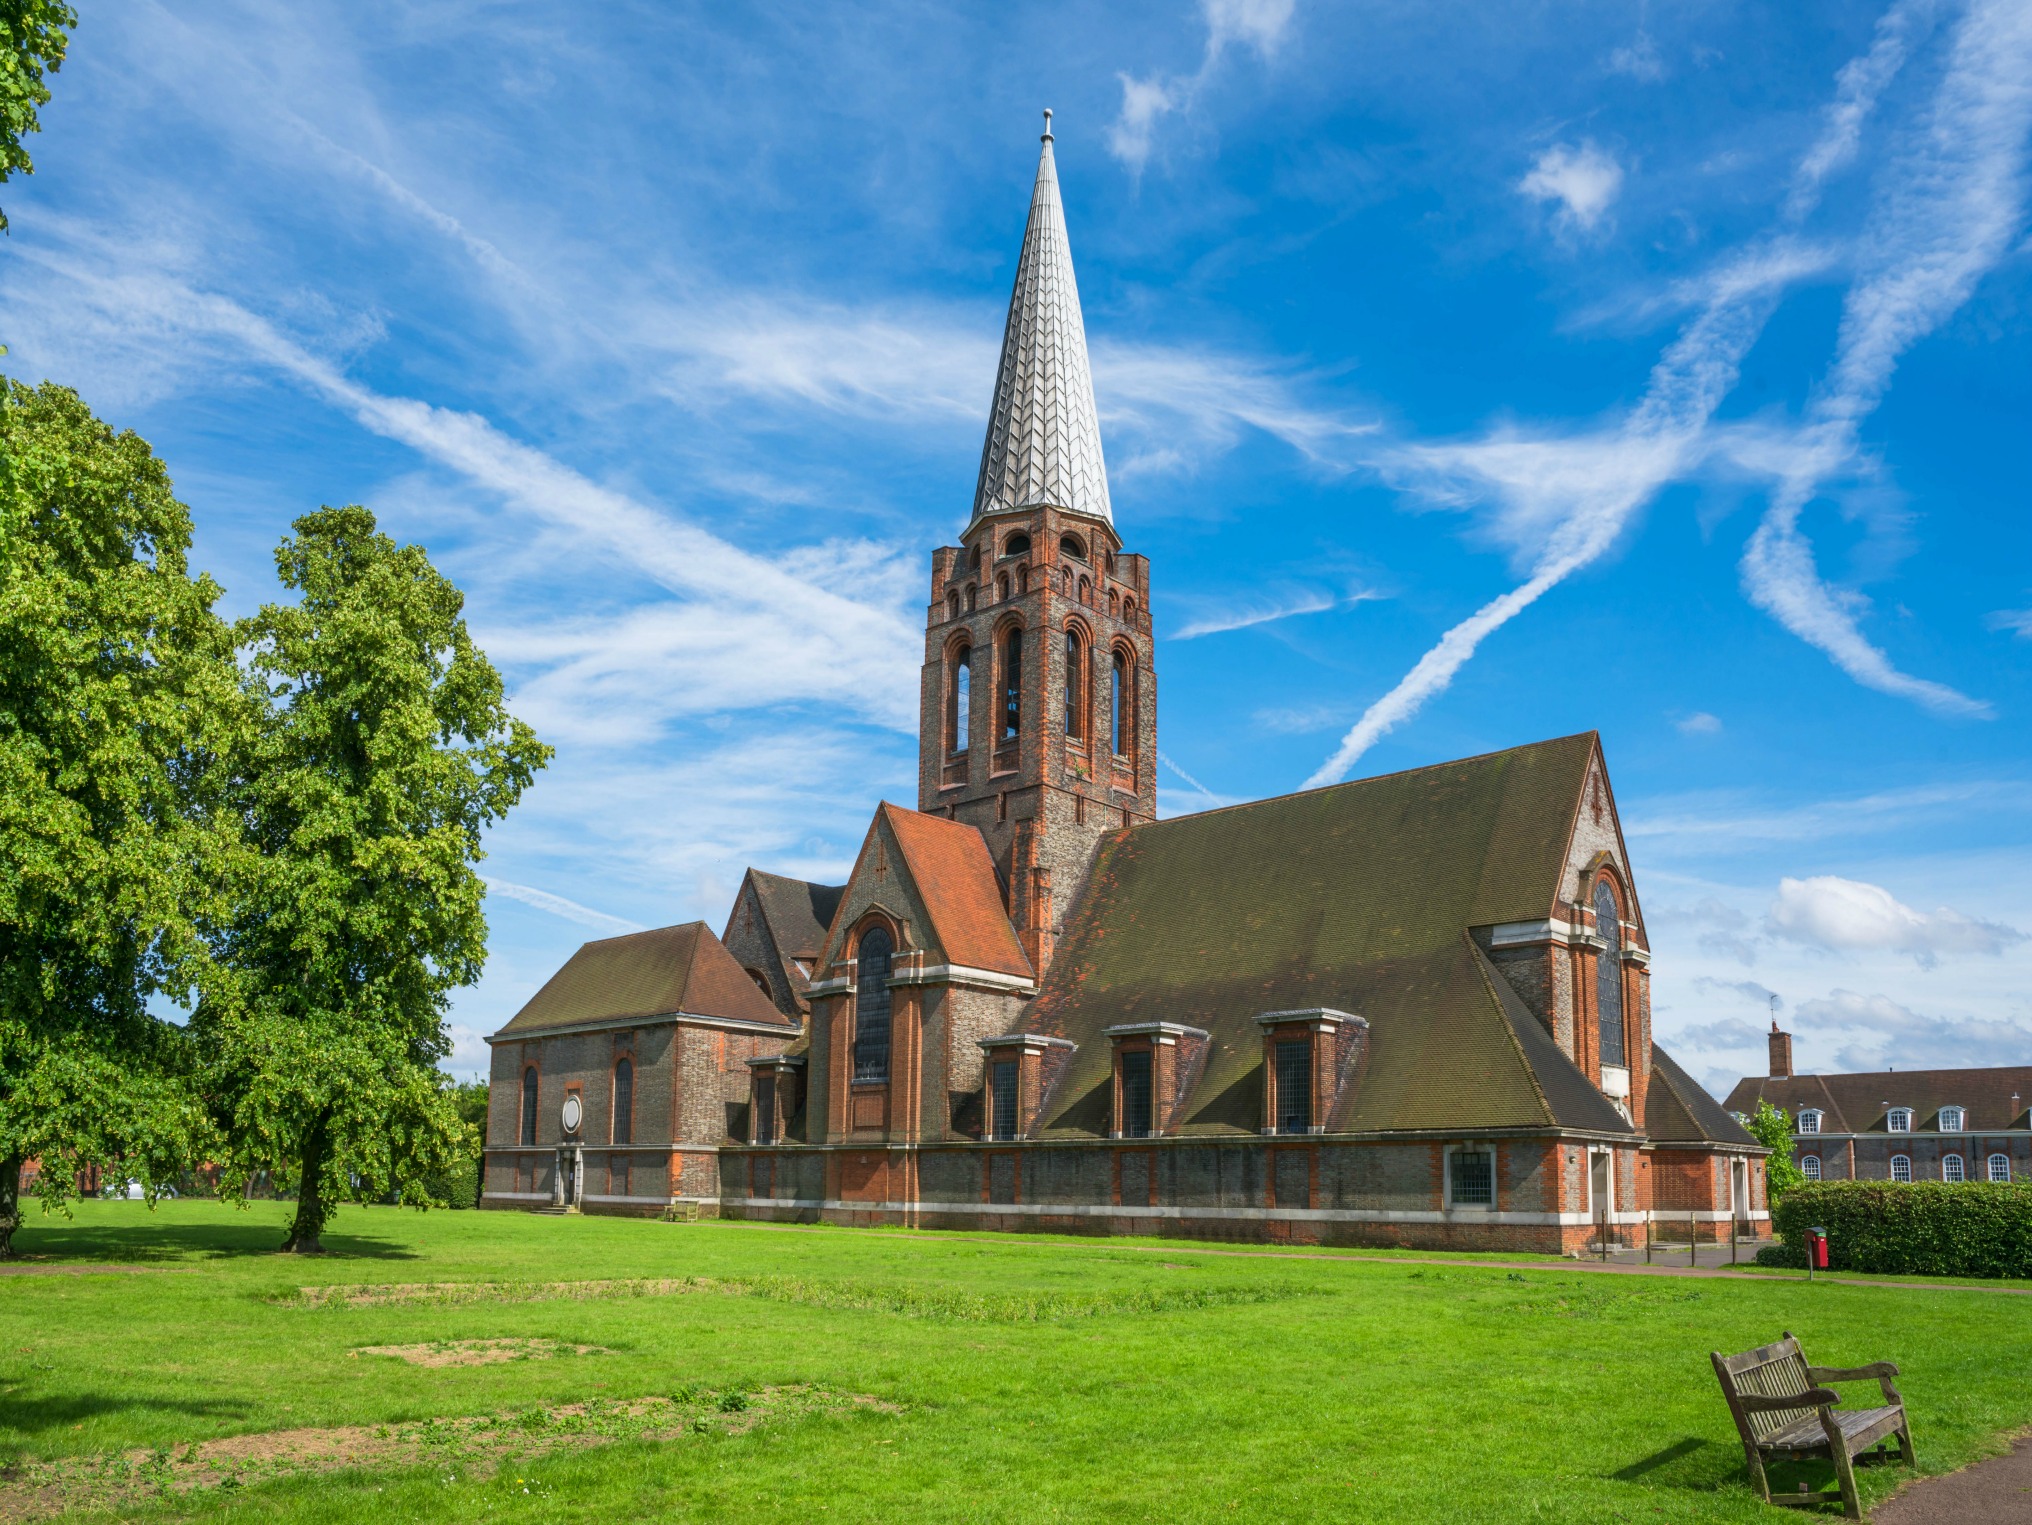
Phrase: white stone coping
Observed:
(1027, 1040)
(1162, 1031)
(1463, 1215)
(935, 974)
(771, 1061)
(1314, 1014)
(1615, 1080)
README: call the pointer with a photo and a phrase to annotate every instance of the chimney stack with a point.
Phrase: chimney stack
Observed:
(1781, 1053)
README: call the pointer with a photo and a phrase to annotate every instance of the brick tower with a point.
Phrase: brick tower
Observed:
(1038, 708)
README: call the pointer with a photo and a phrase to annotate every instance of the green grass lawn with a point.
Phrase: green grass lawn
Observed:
(884, 1375)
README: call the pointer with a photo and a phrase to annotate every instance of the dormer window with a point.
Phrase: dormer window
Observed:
(1951, 1120)
(1809, 1121)
(1898, 1120)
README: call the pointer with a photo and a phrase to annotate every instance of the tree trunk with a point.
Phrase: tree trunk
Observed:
(10, 1203)
(311, 1209)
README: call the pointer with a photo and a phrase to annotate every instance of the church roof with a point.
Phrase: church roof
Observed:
(1357, 897)
(948, 861)
(672, 970)
(798, 911)
(1856, 1102)
(1044, 434)
(1678, 1108)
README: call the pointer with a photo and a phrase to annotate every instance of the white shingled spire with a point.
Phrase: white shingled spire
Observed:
(1044, 436)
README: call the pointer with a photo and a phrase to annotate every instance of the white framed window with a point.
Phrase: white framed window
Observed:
(1952, 1169)
(1901, 1167)
(1951, 1119)
(1471, 1176)
(1809, 1121)
(1899, 1120)
(2000, 1167)
(1810, 1164)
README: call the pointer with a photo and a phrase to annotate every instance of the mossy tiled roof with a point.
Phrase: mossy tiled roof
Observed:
(1678, 1108)
(647, 974)
(1357, 897)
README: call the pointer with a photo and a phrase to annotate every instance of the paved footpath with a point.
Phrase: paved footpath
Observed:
(1997, 1492)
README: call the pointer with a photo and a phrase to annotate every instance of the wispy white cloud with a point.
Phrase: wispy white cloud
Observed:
(1222, 613)
(559, 906)
(1582, 180)
(1638, 58)
(1876, 1032)
(1699, 723)
(1948, 208)
(1703, 823)
(2017, 621)
(1259, 25)
(1846, 915)
(1563, 501)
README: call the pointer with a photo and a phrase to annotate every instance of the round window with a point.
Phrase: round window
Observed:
(574, 1113)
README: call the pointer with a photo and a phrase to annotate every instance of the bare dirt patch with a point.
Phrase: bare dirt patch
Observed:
(477, 1444)
(478, 1352)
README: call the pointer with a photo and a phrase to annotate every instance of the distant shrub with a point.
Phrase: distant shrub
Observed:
(1925, 1228)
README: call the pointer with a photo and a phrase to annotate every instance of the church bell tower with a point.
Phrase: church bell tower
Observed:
(1038, 708)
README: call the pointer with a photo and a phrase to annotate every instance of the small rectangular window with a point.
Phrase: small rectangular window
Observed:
(1474, 1178)
(765, 1107)
(1950, 1120)
(1294, 1086)
(1005, 1098)
(1136, 1122)
(1899, 1120)
(1809, 1122)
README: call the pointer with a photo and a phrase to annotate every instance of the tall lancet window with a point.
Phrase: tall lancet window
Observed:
(962, 718)
(871, 1006)
(1118, 705)
(1012, 683)
(1075, 686)
(1609, 975)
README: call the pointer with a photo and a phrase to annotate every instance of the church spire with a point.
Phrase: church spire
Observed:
(1044, 436)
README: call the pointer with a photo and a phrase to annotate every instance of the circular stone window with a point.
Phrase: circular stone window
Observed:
(574, 1113)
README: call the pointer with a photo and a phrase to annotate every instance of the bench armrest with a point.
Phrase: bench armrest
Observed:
(1813, 1397)
(1852, 1373)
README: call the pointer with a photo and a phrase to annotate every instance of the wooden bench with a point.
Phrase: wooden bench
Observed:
(1784, 1413)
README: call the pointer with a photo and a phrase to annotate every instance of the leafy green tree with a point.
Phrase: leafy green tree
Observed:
(117, 687)
(1772, 1127)
(32, 43)
(380, 753)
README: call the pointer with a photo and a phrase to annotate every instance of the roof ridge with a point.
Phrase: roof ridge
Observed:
(1373, 778)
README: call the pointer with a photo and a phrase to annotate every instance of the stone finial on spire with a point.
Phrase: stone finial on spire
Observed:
(1044, 434)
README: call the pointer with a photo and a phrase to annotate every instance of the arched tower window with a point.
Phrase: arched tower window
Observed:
(1017, 544)
(871, 1005)
(1609, 974)
(1114, 604)
(970, 598)
(624, 1101)
(1065, 581)
(952, 604)
(1071, 545)
(1119, 704)
(959, 720)
(1075, 685)
(1012, 683)
(1023, 577)
(1001, 587)
(1128, 611)
(529, 1105)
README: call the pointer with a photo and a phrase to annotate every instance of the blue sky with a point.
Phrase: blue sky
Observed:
(1471, 375)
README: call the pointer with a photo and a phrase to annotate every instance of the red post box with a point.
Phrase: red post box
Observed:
(1816, 1250)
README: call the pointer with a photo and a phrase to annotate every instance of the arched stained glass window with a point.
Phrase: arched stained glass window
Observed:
(529, 1105)
(963, 697)
(1012, 683)
(1075, 684)
(871, 1005)
(624, 1101)
(1609, 975)
(1118, 705)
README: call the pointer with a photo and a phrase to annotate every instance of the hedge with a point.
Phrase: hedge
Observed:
(1926, 1228)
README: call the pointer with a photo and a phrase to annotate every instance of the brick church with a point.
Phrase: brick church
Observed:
(1408, 1010)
